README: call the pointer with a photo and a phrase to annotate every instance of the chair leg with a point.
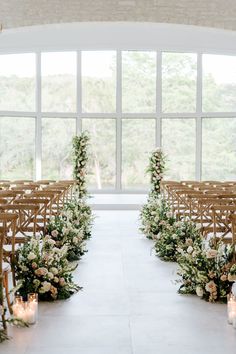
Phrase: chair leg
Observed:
(4, 325)
(6, 285)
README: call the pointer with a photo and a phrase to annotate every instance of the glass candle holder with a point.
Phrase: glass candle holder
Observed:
(231, 308)
(33, 304)
(18, 307)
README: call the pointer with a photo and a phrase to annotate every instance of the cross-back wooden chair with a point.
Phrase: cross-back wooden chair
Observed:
(222, 216)
(44, 205)
(53, 207)
(10, 196)
(27, 219)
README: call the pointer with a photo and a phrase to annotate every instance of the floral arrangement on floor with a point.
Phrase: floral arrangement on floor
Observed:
(155, 216)
(43, 268)
(80, 159)
(156, 170)
(66, 234)
(72, 227)
(174, 237)
(206, 270)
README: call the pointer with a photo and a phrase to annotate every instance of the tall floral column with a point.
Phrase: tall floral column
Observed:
(80, 159)
(156, 169)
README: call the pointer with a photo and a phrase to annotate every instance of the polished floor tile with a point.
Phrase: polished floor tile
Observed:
(129, 304)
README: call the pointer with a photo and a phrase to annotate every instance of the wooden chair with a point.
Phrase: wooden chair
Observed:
(7, 224)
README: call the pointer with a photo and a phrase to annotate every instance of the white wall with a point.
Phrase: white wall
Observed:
(118, 36)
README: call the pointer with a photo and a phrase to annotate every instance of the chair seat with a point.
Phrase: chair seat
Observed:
(8, 248)
(6, 267)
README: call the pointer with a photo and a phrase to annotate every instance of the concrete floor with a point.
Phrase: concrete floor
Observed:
(129, 304)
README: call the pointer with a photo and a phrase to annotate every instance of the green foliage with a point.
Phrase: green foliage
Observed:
(80, 160)
(155, 215)
(156, 169)
(206, 271)
(43, 268)
(176, 236)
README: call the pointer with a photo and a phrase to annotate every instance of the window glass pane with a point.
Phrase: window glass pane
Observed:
(102, 162)
(219, 83)
(57, 134)
(59, 82)
(17, 148)
(17, 82)
(179, 82)
(99, 81)
(219, 149)
(138, 82)
(178, 141)
(138, 140)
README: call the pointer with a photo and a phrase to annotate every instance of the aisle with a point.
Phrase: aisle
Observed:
(129, 304)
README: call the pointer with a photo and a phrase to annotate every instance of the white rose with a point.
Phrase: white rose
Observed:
(199, 291)
(54, 233)
(54, 270)
(46, 286)
(31, 256)
(50, 275)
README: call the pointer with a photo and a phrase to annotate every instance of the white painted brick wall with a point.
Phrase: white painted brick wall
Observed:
(211, 13)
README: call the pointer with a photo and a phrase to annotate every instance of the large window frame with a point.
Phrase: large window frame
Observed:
(158, 115)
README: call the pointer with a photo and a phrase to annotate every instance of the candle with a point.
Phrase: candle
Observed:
(30, 314)
(33, 304)
(26, 311)
(18, 307)
(231, 307)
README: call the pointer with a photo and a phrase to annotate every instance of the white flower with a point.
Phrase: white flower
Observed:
(75, 240)
(31, 256)
(50, 275)
(198, 226)
(54, 270)
(46, 286)
(199, 291)
(190, 249)
(54, 233)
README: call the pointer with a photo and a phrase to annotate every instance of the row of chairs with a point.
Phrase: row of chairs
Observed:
(25, 208)
(210, 203)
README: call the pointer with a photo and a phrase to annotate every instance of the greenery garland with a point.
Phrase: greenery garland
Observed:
(80, 159)
(156, 170)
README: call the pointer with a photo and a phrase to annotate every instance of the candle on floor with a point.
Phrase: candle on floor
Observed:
(33, 304)
(18, 308)
(30, 314)
(231, 308)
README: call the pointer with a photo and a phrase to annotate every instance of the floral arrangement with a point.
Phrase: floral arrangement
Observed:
(72, 227)
(156, 169)
(79, 213)
(155, 216)
(207, 271)
(174, 237)
(43, 268)
(66, 234)
(80, 159)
